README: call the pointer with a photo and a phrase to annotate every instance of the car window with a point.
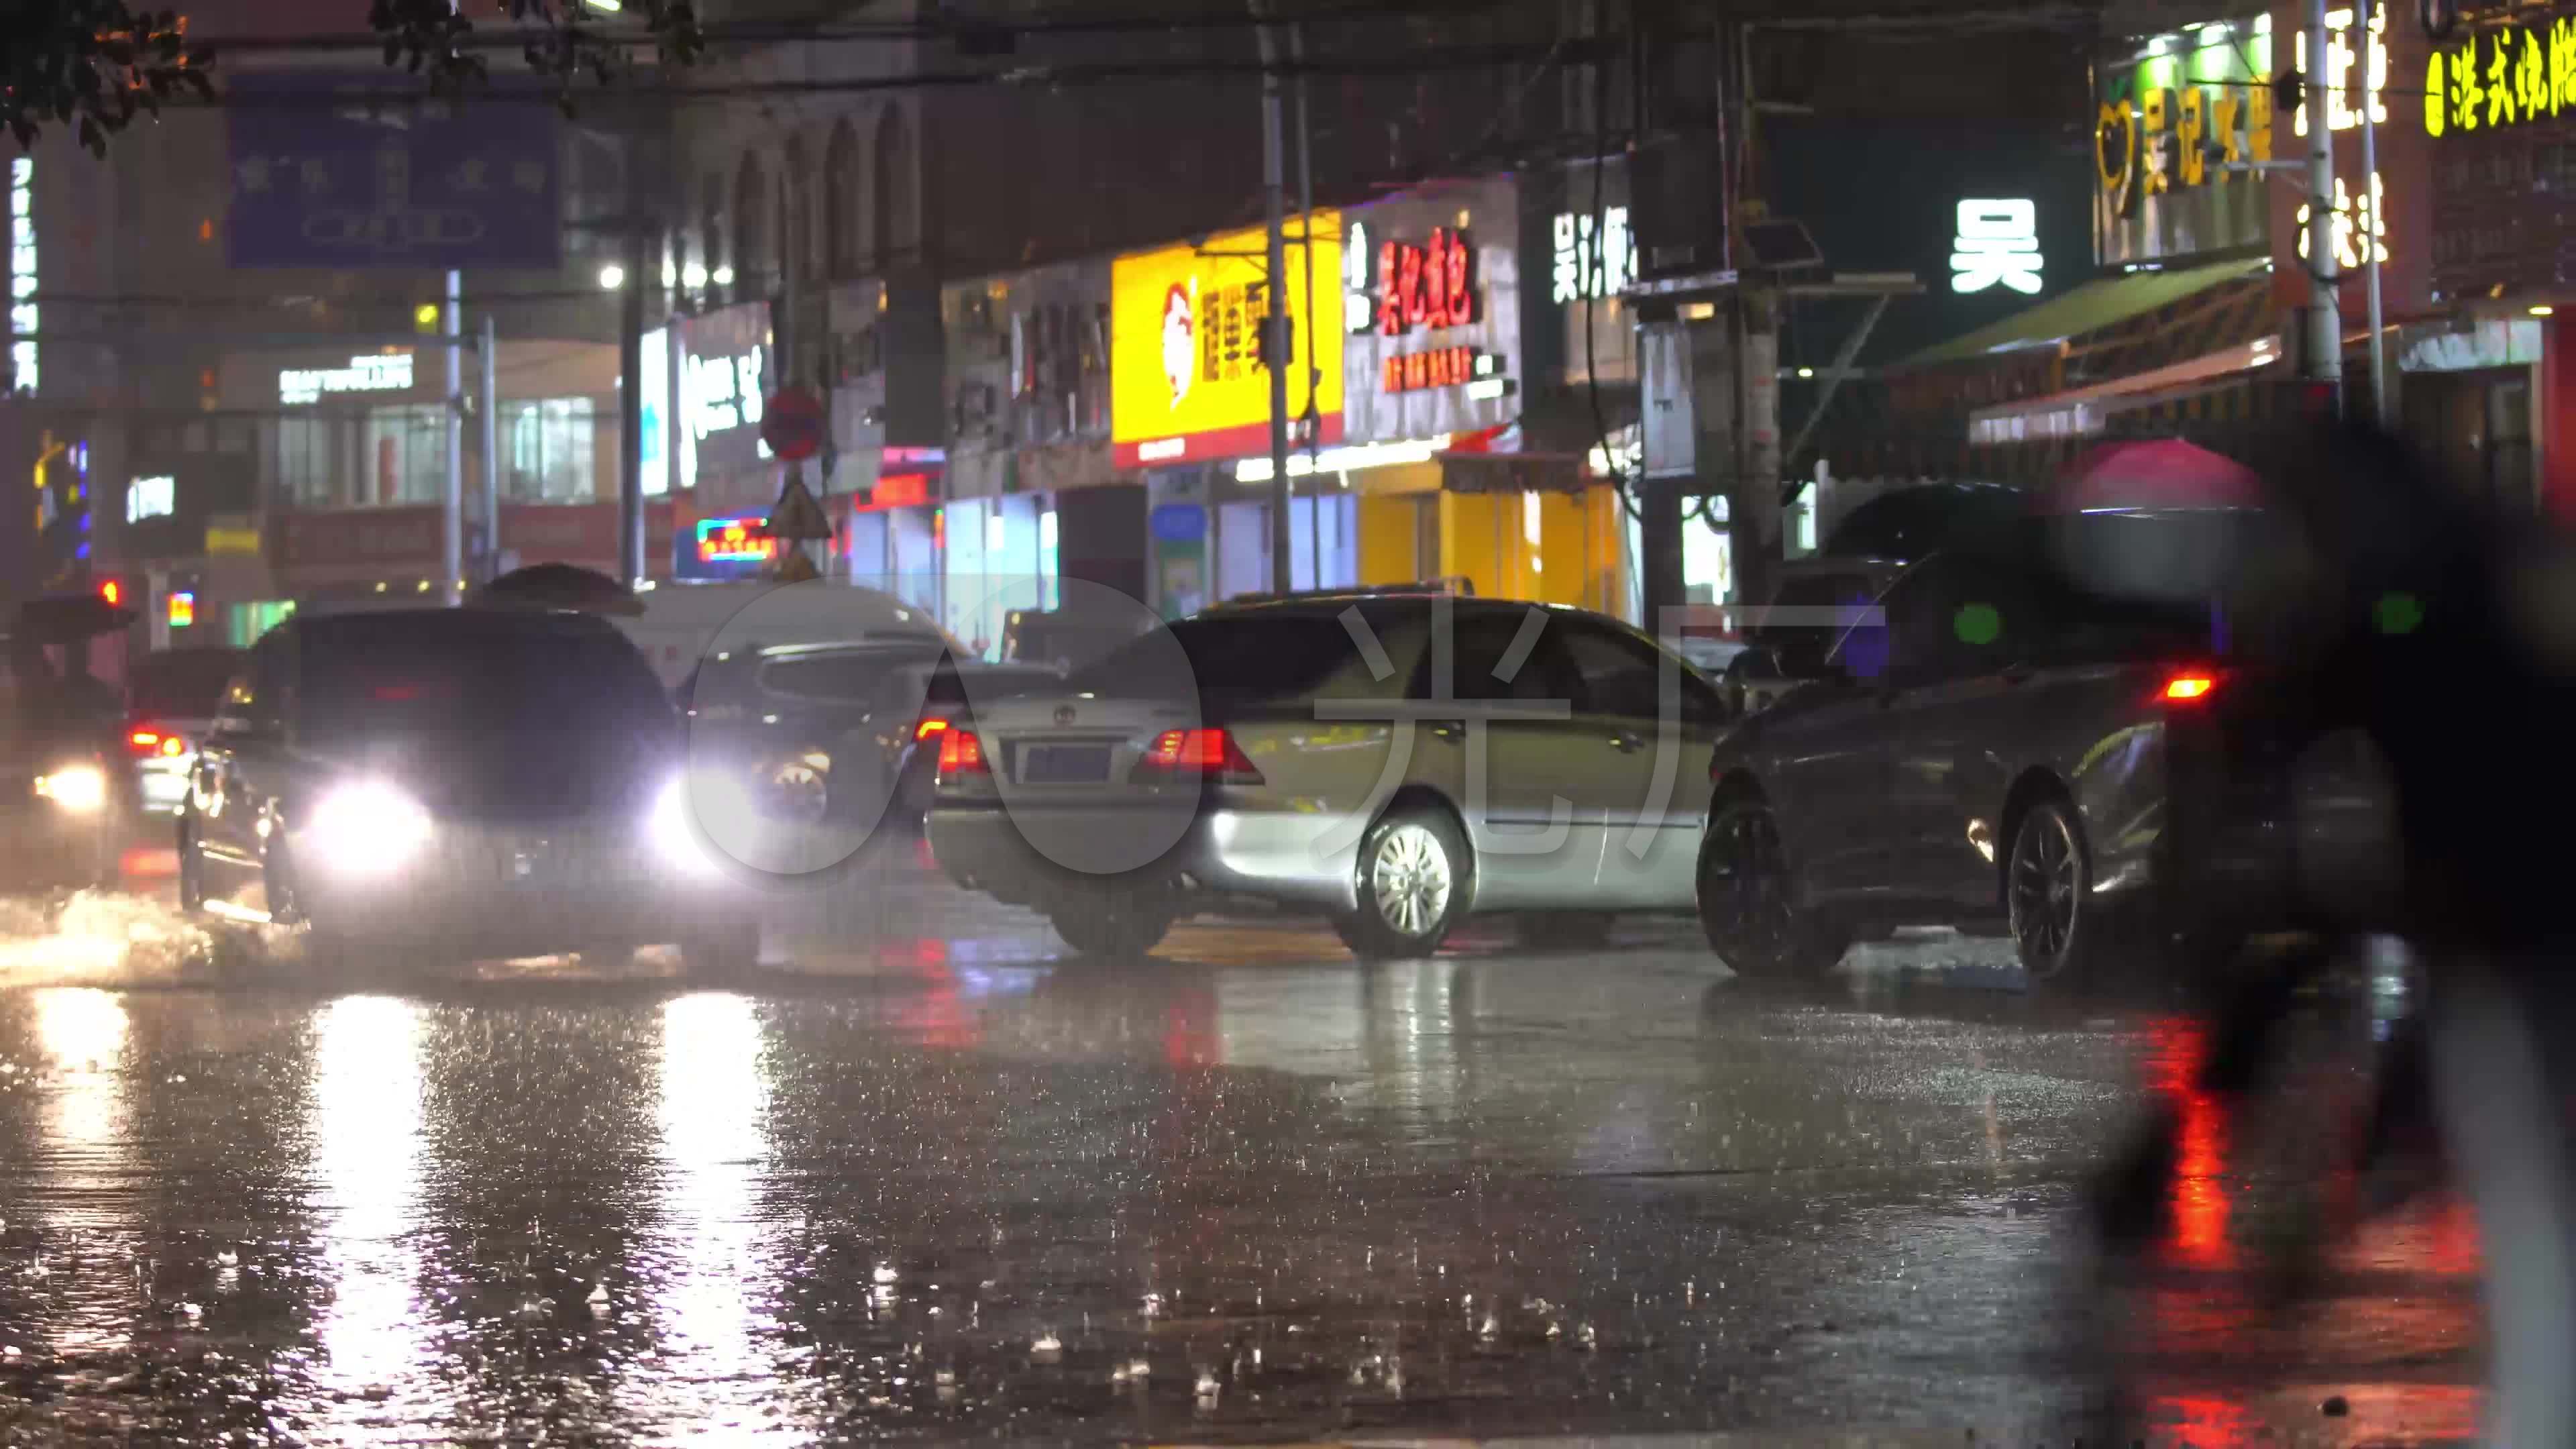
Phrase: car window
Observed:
(1252, 653)
(1484, 651)
(1948, 617)
(1623, 677)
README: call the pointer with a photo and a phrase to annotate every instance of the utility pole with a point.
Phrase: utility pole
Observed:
(451, 529)
(2323, 362)
(2373, 226)
(1314, 373)
(630, 408)
(491, 453)
(1275, 344)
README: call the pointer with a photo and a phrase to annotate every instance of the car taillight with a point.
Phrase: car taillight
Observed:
(960, 753)
(1206, 754)
(145, 741)
(2188, 686)
(928, 727)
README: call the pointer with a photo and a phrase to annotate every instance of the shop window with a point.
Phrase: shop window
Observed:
(550, 451)
(406, 456)
(307, 475)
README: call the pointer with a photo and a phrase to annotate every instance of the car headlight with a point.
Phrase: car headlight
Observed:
(366, 827)
(675, 835)
(79, 789)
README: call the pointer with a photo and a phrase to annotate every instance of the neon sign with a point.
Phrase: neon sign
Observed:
(383, 372)
(1439, 367)
(1592, 262)
(735, 541)
(1431, 285)
(1997, 242)
(22, 270)
(2509, 77)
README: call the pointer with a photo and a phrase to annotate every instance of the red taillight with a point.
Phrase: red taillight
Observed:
(960, 753)
(1208, 754)
(143, 741)
(2186, 687)
(928, 727)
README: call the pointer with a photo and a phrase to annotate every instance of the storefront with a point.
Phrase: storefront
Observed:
(2191, 326)
(2491, 392)
(1190, 415)
(1447, 469)
(1029, 462)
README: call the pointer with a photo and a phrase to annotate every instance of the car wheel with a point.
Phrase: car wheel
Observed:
(1111, 924)
(1565, 930)
(720, 954)
(2048, 892)
(1748, 899)
(1413, 886)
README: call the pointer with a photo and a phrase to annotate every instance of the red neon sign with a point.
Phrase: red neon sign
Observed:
(900, 490)
(1426, 286)
(735, 540)
(1439, 367)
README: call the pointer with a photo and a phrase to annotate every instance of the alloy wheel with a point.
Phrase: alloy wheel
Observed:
(1410, 879)
(2047, 875)
(1744, 891)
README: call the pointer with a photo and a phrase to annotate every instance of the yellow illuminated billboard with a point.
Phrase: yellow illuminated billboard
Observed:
(1185, 375)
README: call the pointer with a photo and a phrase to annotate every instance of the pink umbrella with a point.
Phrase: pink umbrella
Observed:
(2162, 474)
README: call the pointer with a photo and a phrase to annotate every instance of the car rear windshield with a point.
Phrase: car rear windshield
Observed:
(1237, 654)
(182, 684)
(843, 677)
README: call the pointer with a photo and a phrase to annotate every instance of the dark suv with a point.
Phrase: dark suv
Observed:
(1996, 742)
(465, 783)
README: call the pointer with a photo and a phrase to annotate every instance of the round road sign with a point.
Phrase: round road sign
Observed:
(793, 422)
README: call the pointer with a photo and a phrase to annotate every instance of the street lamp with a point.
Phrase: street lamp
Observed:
(612, 277)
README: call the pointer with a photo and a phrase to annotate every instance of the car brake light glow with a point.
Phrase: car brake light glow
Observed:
(960, 753)
(1207, 753)
(928, 727)
(143, 742)
(2183, 688)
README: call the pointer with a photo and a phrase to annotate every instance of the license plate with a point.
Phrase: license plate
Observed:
(1064, 764)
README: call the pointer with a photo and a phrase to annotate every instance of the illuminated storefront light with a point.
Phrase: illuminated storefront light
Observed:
(22, 269)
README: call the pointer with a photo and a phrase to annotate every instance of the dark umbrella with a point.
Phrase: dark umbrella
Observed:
(68, 619)
(559, 586)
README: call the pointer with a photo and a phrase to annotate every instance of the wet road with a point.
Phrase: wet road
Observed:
(923, 1180)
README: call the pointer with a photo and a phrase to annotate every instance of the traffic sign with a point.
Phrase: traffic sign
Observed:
(360, 169)
(797, 517)
(794, 422)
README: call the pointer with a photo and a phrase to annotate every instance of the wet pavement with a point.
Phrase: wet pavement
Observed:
(921, 1179)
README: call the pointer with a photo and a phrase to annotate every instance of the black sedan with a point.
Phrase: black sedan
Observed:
(462, 783)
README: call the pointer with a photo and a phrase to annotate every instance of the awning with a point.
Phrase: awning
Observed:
(2084, 411)
(2105, 302)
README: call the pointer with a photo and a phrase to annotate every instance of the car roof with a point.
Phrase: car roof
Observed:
(1374, 601)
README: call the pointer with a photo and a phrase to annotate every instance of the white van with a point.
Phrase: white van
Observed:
(682, 623)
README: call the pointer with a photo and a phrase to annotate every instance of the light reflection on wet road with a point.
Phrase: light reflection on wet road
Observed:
(930, 1183)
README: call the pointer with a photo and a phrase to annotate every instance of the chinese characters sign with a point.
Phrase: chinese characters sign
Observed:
(22, 270)
(1440, 367)
(344, 171)
(2381, 220)
(1592, 260)
(2508, 77)
(2180, 126)
(1997, 243)
(1186, 376)
(1426, 286)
